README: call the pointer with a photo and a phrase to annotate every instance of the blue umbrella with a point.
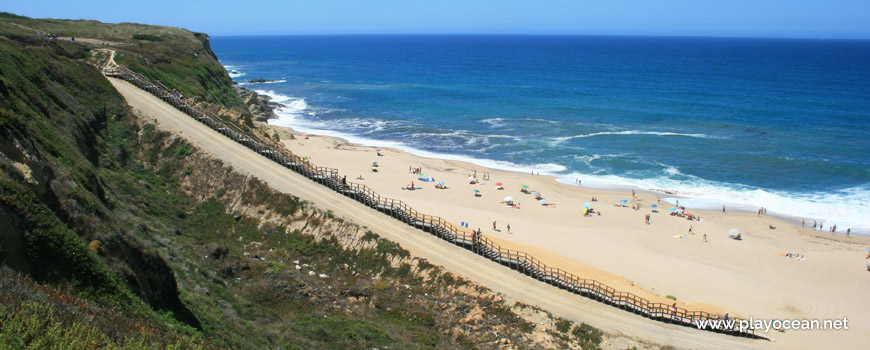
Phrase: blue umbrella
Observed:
(542, 201)
(441, 183)
(653, 206)
(672, 209)
(587, 204)
(536, 192)
(867, 249)
(476, 190)
(623, 201)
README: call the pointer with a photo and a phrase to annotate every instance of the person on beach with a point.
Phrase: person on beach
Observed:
(632, 193)
(690, 229)
(723, 209)
(705, 238)
(509, 228)
(647, 219)
(344, 181)
(493, 226)
(848, 231)
(803, 223)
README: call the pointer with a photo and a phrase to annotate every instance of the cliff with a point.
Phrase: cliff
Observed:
(118, 234)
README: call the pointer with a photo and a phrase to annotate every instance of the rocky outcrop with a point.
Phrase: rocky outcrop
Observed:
(260, 106)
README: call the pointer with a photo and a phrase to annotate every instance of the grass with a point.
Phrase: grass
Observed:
(122, 182)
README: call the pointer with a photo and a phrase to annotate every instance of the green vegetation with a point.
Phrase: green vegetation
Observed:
(589, 337)
(176, 57)
(148, 37)
(179, 264)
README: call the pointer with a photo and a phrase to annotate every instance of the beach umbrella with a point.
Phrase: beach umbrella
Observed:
(508, 198)
(426, 178)
(542, 201)
(687, 213)
(585, 210)
(672, 209)
(734, 231)
(653, 206)
(441, 183)
(525, 187)
(587, 204)
(374, 162)
(536, 192)
(378, 150)
(623, 201)
(867, 249)
(498, 183)
(476, 191)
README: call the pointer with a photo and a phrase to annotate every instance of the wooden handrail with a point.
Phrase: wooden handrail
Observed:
(398, 209)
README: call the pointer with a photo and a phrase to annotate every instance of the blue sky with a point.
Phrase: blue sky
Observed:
(742, 18)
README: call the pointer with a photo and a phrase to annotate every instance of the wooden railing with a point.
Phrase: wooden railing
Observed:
(517, 260)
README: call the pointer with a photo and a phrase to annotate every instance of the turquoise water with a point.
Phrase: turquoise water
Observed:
(748, 123)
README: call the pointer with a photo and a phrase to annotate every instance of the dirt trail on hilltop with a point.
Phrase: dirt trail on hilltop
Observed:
(459, 261)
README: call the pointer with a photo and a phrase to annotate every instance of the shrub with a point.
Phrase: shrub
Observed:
(148, 37)
(588, 336)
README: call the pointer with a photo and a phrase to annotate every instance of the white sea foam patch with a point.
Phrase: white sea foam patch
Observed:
(630, 132)
(284, 99)
(269, 82)
(848, 208)
(293, 118)
(494, 122)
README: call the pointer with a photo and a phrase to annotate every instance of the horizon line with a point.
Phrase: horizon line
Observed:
(550, 34)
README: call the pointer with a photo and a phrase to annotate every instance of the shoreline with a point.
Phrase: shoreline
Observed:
(668, 196)
(661, 261)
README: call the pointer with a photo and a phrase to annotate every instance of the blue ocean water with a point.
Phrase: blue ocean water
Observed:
(783, 124)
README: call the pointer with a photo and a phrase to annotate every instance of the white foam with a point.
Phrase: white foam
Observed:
(848, 208)
(494, 122)
(236, 74)
(276, 97)
(269, 82)
(288, 118)
(630, 132)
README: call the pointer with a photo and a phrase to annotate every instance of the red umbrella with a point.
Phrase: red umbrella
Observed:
(498, 183)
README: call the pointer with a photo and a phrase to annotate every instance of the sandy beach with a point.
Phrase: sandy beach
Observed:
(751, 277)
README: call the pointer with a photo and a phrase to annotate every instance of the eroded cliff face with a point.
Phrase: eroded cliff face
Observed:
(58, 155)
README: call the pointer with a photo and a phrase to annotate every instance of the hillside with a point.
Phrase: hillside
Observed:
(119, 234)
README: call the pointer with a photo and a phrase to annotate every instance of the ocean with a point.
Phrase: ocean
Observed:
(747, 123)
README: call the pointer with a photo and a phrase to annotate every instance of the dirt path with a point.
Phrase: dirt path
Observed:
(459, 261)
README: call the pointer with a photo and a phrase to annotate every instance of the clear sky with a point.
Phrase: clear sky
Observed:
(743, 18)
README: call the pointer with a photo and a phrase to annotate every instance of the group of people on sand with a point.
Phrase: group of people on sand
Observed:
(820, 226)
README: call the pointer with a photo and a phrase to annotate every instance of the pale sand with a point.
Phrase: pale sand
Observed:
(748, 278)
